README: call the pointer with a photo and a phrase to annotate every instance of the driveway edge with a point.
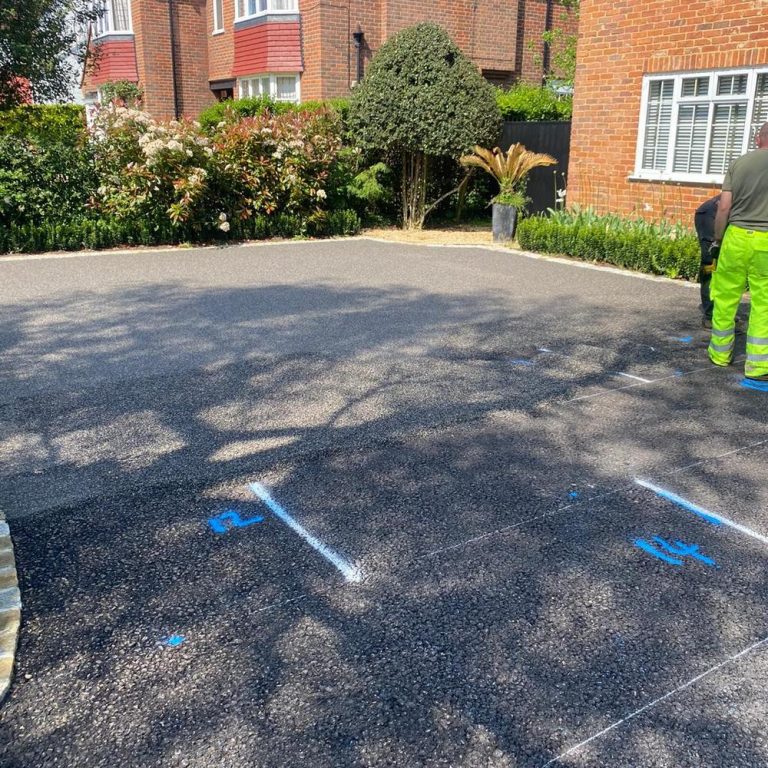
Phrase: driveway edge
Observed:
(10, 607)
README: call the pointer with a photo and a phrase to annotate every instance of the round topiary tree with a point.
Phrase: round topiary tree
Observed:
(422, 98)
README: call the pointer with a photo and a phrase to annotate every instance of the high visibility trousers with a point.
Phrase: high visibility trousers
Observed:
(743, 258)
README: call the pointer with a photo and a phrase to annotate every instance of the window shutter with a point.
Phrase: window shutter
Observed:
(728, 126)
(658, 123)
(760, 112)
(691, 140)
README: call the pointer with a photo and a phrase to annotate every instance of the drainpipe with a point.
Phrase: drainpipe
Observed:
(174, 74)
(359, 38)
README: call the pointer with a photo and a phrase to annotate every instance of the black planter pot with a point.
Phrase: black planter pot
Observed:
(504, 223)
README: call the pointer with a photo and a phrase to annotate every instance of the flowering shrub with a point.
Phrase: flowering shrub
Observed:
(150, 170)
(270, 163)
(261, 165)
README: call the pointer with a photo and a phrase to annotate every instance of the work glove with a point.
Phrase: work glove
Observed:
(714, 251)
(712, 256)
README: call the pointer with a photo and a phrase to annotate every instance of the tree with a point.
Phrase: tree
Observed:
(40, 47)
(422, 99)
(562, 45)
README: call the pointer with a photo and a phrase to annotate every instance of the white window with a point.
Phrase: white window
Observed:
(277, 87)
(247, 9)
(693, 125)
(115, 18)
(218, 16)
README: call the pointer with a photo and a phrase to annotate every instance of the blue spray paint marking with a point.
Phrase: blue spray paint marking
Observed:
(651, 550)
(350, 571)
(673, 552)
(686, 339)
(681, 502)
(174, 641)
(521, 362)
(685, 550)
(224, 522)
(757, 386)
(574, 494)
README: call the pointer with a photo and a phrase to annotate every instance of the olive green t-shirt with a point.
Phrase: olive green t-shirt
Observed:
(747, 179)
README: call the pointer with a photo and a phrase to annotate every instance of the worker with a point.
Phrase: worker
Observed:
(704, 221)
(740, 255)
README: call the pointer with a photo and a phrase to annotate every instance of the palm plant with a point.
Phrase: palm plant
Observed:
(510, 169)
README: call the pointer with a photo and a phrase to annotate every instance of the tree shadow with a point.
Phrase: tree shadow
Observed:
(396, 423)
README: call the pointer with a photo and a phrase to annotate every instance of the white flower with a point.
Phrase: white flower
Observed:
(208, 151)
(321, 194)
(222, 217)
(175, 146)
(102, 190)
(561, 194)
(224, 226)
(189, 153)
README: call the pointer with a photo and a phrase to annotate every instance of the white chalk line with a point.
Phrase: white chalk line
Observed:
(700, 511)
(636, 378)
(350, 571)
(587, 500)
(682, 374)
(655, 702)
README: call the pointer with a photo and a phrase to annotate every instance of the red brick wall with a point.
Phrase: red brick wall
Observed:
(221, 46)
(620, 41)
(153, 55)
(481, 28)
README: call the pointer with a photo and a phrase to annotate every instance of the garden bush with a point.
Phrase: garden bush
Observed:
(45, 123)
(234, 110)
(523, 102)
(46, 164)
(657, 248)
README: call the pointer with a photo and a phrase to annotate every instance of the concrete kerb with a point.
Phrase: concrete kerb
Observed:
(10, 607)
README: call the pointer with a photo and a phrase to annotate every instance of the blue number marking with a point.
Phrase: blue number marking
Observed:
(231, 519)
(673, 551)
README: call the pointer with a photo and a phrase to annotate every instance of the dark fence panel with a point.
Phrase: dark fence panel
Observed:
(551, 137)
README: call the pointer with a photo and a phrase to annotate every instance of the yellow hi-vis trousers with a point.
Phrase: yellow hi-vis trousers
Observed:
(743, 258)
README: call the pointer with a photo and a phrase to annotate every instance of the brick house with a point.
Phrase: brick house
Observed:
(666, 95)
(186, 53)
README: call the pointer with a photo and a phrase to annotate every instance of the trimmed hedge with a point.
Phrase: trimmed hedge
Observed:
(97, 234)
(252, 106)
(523, 103)
(640, 247)
(45, 123)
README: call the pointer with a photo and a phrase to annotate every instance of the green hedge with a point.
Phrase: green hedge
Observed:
(634, 245)
(103, 233)
(523, 103)
(210, 117)
(45, 123)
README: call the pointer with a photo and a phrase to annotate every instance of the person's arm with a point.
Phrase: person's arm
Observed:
(723, 212)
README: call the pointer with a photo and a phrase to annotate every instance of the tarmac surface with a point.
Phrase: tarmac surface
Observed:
(364, 504)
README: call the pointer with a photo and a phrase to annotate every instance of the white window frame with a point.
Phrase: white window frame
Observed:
(105, 25)
(245, 87)
(242, 13)
(218, 16)
(712, 99)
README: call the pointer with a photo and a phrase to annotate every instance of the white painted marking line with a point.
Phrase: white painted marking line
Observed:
(350, 572)
(700, 511)
(666, 696)
(636, 378)
(607, 392)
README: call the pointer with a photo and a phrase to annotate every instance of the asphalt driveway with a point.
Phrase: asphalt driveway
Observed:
(364, 504)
